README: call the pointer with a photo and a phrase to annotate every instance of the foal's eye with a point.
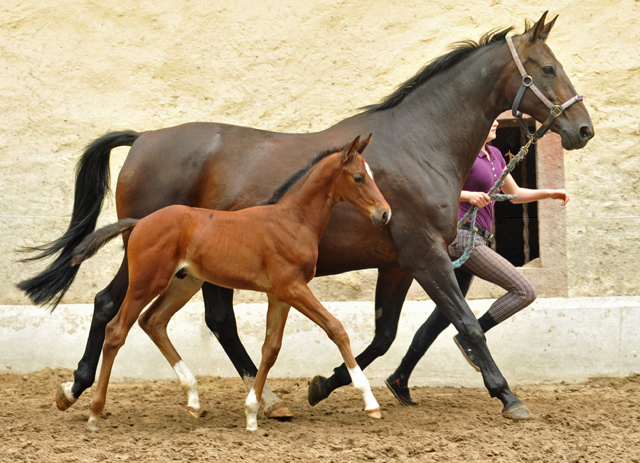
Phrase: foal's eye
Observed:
(358, 178)
(549, 71)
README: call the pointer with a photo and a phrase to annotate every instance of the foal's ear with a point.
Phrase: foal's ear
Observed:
(349, 150)
(538, 28)
(363, 144)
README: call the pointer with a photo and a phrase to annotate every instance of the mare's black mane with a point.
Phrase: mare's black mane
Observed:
(460, 51)
(285, 186)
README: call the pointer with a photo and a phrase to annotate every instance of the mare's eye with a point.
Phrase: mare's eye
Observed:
(549, 71)
(358, 178)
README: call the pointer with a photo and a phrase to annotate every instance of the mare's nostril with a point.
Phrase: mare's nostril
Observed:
(384, 217)
(586, 132)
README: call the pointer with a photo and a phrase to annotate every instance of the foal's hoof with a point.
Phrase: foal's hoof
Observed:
(195, 412)
(375, 413)
(92, 425)
(517, 412)
(278, 411)
(64, 397)
(318, 390)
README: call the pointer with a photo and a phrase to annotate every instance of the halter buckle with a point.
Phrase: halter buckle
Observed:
(556, 110)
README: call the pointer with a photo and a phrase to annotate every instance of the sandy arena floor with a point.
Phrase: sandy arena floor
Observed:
(147, 421)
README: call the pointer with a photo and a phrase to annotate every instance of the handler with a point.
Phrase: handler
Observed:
(484, 262)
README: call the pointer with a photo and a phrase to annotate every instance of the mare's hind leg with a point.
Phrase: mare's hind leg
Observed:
(300, 296)
(391, 290)
(276, 319)
(106, 305)
(221, 320)
(154, 322)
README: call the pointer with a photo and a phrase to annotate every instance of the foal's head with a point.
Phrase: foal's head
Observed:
(356, 184)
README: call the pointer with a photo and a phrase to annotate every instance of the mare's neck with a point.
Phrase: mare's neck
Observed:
(449, 116)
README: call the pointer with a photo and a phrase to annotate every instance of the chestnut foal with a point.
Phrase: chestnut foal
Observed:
(271, 248)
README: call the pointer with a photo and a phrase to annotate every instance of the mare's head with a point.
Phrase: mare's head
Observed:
(573, 124)
(355, 183)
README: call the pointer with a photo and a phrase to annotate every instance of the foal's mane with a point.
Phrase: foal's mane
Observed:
(285, 186)
(460, 50)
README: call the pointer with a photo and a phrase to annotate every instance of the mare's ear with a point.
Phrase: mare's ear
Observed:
(347, 153)
(537, 28)
(364, 144)
(545, 30)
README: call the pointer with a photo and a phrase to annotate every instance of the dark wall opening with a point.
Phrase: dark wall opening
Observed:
(516, 225)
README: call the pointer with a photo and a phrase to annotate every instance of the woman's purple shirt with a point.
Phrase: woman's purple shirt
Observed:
(482, 177)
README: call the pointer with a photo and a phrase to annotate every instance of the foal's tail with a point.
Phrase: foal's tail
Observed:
(92, 243)
(92, 185)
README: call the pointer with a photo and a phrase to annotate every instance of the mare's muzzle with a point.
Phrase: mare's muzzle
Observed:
(381, 216)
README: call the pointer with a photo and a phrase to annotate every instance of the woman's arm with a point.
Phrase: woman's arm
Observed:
(528, 195)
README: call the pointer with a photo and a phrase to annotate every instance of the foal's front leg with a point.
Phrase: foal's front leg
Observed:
(300, 296)
(277, 314)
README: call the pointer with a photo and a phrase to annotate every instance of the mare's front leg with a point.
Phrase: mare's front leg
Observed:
(221, 320)
(391, 289)
(300, 296)
(431, 267)
(277, 314)
(106, 305)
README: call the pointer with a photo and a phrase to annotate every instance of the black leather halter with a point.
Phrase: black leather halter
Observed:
(527, 82)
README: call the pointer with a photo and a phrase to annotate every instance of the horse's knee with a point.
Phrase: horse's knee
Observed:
(148, 323)
(337, 333)
(105, 308)
(382, 342)
(114, 337)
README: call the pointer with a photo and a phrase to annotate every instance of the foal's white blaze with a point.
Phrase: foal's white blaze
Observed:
(366, 166)
(361, 385)
(251, 407)
(189, 384)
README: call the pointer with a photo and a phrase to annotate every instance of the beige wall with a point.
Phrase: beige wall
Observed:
(73, 70)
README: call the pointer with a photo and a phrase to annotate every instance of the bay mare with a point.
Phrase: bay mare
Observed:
(427, 135)
(271, 248)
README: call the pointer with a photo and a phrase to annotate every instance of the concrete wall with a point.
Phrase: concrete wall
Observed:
(556, 339)
(73, 70)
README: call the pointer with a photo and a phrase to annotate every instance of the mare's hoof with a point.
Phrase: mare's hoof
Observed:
(317, 390)
(375, 413)
(278, 411)
(64, 398)
(195, 412)
(401, 393)
(517, 412)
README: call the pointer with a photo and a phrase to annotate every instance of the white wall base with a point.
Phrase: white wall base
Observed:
(553, 340)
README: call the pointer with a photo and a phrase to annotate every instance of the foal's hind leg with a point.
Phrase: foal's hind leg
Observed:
(140, 293)
(300, 296)
(106, 305)
(276, 319)
(154, 322)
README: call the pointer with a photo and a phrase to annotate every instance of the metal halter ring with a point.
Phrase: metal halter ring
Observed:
(526, 83)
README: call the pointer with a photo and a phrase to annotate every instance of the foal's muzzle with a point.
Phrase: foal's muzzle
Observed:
(381, 216)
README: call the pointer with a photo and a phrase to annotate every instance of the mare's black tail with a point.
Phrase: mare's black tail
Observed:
(92, 185)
